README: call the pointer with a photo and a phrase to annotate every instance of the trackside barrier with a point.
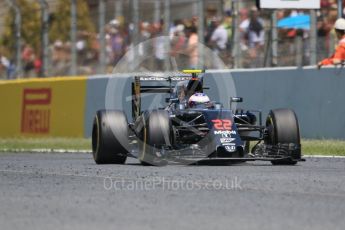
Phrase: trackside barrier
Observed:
(65, 107)
(316, 96)
(43, 107)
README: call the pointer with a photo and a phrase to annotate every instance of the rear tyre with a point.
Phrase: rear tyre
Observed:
(110, 137)
(282, 126)
(157, 135)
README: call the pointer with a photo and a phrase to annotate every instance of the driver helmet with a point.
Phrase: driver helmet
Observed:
(199, 100)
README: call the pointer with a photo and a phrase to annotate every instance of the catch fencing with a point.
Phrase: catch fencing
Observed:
(82, 45)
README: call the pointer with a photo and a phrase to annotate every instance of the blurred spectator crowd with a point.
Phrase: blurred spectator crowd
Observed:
(253, 43)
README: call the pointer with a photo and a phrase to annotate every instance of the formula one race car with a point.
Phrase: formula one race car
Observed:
(192, 129)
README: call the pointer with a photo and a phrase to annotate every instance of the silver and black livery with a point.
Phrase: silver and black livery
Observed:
(179, 133)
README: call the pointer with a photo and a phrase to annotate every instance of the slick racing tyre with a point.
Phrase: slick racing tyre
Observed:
(157, 135)
(282, 126)
(110, 137)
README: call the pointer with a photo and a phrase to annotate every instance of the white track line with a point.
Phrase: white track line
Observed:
(322, 156)
(53, 174)
(44, 151)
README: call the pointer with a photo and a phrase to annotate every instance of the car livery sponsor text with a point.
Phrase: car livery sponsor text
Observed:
(225, 133)
(227, 140)
(230, 148)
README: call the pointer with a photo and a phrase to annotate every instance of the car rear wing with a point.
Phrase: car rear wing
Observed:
(157, 83)
(152, 84)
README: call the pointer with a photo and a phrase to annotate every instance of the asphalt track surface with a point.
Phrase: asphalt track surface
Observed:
(69, 191)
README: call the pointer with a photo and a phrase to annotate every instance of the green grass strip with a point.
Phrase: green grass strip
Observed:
(323, 147)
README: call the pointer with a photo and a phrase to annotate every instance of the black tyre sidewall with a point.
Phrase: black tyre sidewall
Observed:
(282, 125)
(286, 128)
(158, 134)
(110, 142)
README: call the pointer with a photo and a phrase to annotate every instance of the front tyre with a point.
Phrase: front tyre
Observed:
(110, 137)
(156, 137)
(283, 128)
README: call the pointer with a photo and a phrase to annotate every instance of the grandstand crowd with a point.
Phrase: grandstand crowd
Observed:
(254, 27)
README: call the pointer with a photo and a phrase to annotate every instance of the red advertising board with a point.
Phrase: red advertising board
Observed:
(36, 111)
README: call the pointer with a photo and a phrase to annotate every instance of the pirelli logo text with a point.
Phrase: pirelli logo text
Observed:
(36, 111)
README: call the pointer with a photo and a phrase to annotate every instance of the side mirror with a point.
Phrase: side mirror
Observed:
(236, 99)
(171, 100)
